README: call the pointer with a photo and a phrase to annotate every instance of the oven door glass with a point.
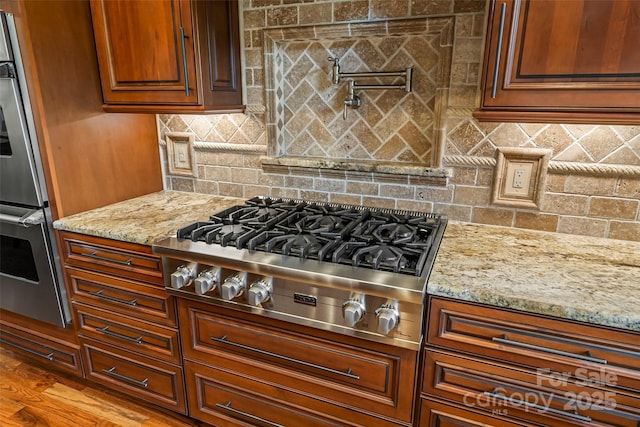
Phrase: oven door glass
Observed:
(18, 179)
(28, 284)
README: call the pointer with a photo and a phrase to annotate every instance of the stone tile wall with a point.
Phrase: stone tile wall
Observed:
(593, 185)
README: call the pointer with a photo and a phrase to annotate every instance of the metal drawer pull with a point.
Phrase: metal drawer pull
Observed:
(144, 383)
(228, 407)
(589, 358)
(288, 359)
(95, 255)
(28, 350)
(184, 62)
(539, 407)
(503, 11)
(105, 330)
(99, 294)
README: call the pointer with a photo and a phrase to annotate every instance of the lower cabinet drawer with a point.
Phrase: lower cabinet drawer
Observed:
(524, 394)
(216, 397)
(126, 297)
(373, 378)
(562, 348)
(55, 354)
(131, 334)
(151, 380)
(434, 413)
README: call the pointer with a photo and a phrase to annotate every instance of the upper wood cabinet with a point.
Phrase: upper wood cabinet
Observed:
(570, 61)
(163, 56)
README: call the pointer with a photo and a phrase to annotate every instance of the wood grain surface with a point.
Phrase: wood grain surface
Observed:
(31, 395)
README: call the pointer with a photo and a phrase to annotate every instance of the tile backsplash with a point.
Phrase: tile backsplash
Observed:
(593, 182)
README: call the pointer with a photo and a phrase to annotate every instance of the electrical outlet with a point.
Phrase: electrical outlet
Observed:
(180, 153)
(520, 177)
(517, 181)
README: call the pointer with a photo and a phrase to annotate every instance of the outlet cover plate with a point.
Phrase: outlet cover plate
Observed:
(180, 153)
(520, 177)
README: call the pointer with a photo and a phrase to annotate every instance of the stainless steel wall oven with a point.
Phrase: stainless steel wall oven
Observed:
(30, 274)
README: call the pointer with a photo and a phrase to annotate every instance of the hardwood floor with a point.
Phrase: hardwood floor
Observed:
(32, 396)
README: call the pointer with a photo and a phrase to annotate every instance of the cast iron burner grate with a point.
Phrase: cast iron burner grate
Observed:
(373, 238)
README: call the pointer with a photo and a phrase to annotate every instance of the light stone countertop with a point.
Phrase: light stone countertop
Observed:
(574, 277)
(147, 218)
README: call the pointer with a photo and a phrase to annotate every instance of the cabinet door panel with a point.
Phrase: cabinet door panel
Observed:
(131, 334)
(436, 414)
(560, 347)
(123, 296)
(54, 353)
(157, 382)
(566, 61)
(220, 399)
(144, 49)
(525, 394)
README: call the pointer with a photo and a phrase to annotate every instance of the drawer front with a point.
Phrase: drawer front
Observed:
(563, 348)
(437, 414)
(345, 375)
(122, 296)
(156, 382)
(218, 400)
(55, 354)
(118, 258)
(524, 394)
(131, 334)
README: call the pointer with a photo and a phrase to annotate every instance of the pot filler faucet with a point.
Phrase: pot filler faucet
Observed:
(352, 100)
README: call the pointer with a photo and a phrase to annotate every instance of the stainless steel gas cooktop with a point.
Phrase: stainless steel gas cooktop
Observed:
(356, 270)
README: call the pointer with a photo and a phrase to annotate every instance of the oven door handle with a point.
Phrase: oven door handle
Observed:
(348, 373)
(31, 218)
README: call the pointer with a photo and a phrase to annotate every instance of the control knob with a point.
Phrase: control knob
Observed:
(388, 317)
(260, 291)
(353, 310)
(234, 285)
(183, 275)
(207, 280)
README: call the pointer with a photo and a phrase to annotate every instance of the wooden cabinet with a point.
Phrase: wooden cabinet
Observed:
(55, 352)
(512, 367)
(169, 56)
(562, 61)
(126, 322)
(242, 369)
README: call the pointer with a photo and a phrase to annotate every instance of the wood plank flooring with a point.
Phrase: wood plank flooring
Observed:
(32, 396)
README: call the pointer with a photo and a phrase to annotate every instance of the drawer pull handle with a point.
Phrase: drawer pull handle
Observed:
(99, 294)
(348, 374)
(496, 66)
(28, 350)
(94, 255)
(504, 398)
(228, 407)
(144, 383)
(588, 358)
(105, 330)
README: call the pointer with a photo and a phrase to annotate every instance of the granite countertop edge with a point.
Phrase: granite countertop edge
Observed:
(530, 271)
(594, 317)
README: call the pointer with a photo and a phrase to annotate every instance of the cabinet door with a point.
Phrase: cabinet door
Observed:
(568, 61)
(145, 51)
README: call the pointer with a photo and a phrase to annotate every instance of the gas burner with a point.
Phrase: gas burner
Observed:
(302, 245)
(372, 238)
(395, 233)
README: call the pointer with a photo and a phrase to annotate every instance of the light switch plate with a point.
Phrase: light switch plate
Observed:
(520, 177)
(180, 153)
